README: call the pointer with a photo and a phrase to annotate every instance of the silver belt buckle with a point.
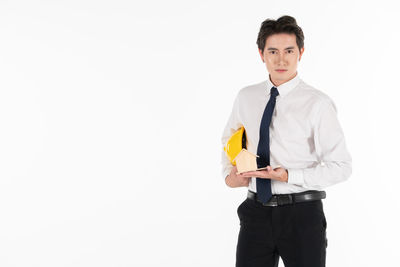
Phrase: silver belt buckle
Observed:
(285, 200)
(273, 202)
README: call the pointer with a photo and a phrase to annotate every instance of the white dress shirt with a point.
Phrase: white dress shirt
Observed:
(305, 135)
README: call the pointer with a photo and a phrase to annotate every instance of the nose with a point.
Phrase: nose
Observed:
(281, 59)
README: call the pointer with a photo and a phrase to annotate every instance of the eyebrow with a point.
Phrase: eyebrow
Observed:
(287, 48)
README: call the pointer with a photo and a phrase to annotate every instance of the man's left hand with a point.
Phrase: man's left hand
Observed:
(279, 174)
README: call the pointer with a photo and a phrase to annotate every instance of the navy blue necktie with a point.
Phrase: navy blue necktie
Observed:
(264, 185)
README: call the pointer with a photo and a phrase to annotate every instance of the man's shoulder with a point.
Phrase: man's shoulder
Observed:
(253, 89)
(312, 92)
(306, 92)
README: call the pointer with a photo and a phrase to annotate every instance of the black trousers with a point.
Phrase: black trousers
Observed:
(295, 232)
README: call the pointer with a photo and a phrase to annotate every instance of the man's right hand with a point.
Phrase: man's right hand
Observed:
(236, 180)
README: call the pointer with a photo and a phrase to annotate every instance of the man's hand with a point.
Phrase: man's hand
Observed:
(236, 180)
(279, 174)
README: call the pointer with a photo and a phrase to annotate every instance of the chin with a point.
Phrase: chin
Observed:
(281, 76)
(285, 75)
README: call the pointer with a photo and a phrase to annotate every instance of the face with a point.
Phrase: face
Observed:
(281, 55)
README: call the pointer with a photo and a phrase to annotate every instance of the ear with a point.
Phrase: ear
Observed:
(261, 55)
(301, 53)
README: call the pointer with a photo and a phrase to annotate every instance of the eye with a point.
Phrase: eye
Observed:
(290, 51)
(272, 52)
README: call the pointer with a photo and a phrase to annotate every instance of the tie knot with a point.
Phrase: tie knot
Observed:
(274, 91)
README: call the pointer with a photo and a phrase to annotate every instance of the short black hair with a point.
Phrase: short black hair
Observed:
(284, 24)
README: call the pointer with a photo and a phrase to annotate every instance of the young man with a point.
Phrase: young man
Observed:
(294, 130)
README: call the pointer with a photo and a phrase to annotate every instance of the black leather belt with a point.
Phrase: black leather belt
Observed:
(286, 199)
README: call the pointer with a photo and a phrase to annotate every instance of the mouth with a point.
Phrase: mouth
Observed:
(281, 70)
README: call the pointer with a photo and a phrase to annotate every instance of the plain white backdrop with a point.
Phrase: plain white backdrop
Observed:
(111, 114)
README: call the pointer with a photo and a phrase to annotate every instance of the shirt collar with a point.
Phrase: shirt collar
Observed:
(284, 88)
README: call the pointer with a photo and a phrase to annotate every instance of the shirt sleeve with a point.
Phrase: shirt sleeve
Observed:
(335, 162)
(231, 126)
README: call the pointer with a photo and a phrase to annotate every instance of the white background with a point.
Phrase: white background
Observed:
(111, 114)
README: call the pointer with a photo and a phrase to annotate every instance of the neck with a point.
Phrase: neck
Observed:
(279, 82)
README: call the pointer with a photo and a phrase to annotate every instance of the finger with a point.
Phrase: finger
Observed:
(252, 173)
(262, 176)
(245, 174)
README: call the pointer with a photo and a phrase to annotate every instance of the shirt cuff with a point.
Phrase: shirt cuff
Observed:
(295, 176)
